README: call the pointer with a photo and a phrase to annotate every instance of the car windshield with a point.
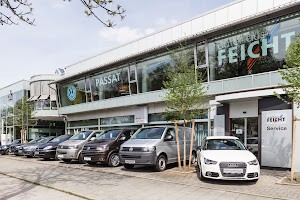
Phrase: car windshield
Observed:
(35, 140)
(149, 133)
(45, 140)
(61, 138)
(81, 136)
(15, 142)
(110, 135)
(223, 144)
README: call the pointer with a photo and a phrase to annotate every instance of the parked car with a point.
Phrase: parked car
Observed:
(4, 150)
(17, 149)
(71, 149)
(29, 149)
(225, 157)
(155, 146)
(48, 150)
(106, 147)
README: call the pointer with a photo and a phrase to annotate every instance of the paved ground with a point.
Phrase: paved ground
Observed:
(101, 182)
(11, 188)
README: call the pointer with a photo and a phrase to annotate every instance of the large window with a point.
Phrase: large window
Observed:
(254, 49)
(72, 93)
(110, 84)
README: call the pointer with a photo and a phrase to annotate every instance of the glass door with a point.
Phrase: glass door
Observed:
(246, 129)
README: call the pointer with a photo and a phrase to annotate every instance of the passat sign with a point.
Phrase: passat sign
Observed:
(276, 138)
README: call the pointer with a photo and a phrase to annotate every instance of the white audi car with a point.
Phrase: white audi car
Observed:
(225, 157)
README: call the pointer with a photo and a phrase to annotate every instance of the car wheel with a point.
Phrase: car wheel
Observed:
(6, 152)
(56, 158)
(199, 173)
(194, 158)
(113, 160)
(91, 163)
(80, 158)
(128, 166)
(67, 160)
(161, 164)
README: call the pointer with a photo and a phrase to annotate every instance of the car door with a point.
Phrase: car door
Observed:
(170, 146)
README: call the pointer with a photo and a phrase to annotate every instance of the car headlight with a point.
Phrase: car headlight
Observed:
(102, 148)
(209, 162)
(253, 162)
(32, 147)
(48, 147)
(150, 149)
(73, 147)
(20, 148)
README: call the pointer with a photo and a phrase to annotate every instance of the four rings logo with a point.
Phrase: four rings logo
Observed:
(233, 165)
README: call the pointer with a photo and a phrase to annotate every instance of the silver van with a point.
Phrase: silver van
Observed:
(156, 146)
(72, 148)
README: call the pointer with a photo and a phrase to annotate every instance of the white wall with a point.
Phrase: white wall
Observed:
(237, 109)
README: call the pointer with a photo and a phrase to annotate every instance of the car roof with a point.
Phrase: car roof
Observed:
(221, 137)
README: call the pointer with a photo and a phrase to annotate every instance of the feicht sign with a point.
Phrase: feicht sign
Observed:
(276, 138)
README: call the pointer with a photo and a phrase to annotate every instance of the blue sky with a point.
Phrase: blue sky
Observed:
(64, 35)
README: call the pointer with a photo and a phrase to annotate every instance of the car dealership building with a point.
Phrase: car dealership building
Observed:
(239, 47)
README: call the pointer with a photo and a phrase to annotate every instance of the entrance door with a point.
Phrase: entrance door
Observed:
(10, 132)
(246, 130)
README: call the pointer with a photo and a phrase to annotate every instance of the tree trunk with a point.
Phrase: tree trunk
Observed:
(178, 149)
(184, 146)
(192, 145)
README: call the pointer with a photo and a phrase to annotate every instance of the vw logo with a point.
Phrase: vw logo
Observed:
(71, 92)
(233, 165)
(88, 148)
(131, 149)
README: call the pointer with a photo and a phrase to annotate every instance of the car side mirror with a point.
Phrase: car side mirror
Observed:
(93, 138)
(168, 138)
(250, 148)
(123, 138)
(199, 148)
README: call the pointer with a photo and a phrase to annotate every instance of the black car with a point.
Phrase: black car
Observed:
(29, 149)
(18, 148)
(48, 150)
(4, 150)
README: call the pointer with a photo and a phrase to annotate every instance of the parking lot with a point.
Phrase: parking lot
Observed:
(75, 181)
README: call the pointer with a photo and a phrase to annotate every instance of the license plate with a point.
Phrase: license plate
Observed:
(87, 158)
(130, 161)
(233, 171)
(60, 156)
(36, 153)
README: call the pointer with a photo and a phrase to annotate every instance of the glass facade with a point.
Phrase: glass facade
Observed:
(251, 50)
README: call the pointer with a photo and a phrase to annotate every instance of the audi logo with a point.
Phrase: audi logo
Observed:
(233, 165)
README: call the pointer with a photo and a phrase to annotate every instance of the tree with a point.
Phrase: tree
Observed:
(291, 75)
(185, 95)
(13, 10)
(24, 116)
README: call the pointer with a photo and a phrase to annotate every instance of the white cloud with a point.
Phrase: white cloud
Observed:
(162, 22)
(123, 34)
(59, 5)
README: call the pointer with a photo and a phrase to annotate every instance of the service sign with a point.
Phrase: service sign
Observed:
(276, 142)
